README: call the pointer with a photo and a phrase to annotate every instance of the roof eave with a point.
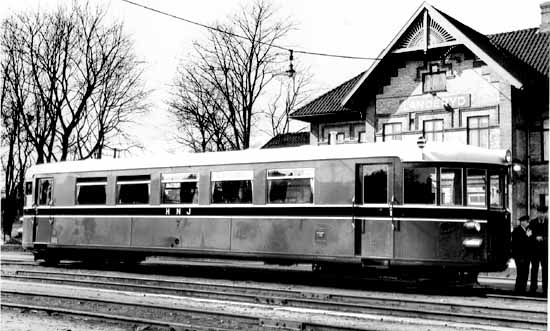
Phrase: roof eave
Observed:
(310, 118)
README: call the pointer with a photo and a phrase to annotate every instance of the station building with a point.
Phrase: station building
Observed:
(443, 80)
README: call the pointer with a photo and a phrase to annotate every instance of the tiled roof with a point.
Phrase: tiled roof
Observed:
(515, 54)
(528, 46)
(329, 102)
(288, 140)
(522, 52)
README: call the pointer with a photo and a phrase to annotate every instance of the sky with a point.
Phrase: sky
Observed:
(348, 27)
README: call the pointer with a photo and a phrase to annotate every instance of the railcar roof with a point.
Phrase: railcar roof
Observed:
(407, 152)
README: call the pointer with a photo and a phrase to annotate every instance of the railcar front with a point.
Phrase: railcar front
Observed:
(436, 216)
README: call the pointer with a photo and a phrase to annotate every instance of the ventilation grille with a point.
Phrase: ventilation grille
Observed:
(414, 37)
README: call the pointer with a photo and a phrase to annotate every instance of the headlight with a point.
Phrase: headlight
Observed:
(472, 225)
(472, 242)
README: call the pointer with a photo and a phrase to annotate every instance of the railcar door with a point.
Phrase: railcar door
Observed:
(43, 220)
(374, 212)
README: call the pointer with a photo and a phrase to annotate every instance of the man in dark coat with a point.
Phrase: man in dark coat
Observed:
(539, 246)
(521, 252)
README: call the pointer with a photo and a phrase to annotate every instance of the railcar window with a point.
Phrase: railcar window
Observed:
(28, 194)
(497, 185)
(451, 186)
(420, 185)
(180, 188)
(232, 187)
(475, 187)
(91, 191)
(45, 191)
(290, 185)
(133, 189)
(375, 183)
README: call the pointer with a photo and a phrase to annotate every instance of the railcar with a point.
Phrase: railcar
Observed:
(391, 205)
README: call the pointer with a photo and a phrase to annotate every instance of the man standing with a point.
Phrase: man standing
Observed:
(521, 251)
(539, 254)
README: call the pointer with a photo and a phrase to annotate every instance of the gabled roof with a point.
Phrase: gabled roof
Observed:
(523, 53)
(328, 103)
(461, 34)
(289, 139)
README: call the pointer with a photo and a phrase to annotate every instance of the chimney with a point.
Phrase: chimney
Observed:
(545, 17)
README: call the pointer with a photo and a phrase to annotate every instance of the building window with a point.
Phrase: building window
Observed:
(133, 189)
(362, 137)
(433, 130)
(545, 140)
(478, 131)
(180, 188)
(91, 191)
(391, 131)
(230, 187)
(434, 81)
(336, 137)
(290, 185)
(340, 136)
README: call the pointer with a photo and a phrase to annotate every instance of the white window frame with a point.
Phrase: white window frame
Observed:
(232, 175)
(218, 176)
(391, 136)
(179, 177)
(130, 182)
(95, 183)
(295, 173)
(478, 130)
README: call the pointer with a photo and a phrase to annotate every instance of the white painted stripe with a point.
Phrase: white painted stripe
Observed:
(132, 182)
(450, 220)
(268, 205)
(410, 219)
(91, 183)
(198, 216)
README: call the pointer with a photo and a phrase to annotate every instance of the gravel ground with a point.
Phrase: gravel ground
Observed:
(18, 320)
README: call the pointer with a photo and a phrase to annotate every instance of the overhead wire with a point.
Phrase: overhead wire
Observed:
(242, 37)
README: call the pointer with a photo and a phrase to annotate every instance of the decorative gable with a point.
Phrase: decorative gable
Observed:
(430, 29)
(415, 36)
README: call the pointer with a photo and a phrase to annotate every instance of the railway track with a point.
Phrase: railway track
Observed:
(485, 313)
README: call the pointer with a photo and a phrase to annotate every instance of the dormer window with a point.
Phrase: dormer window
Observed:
(435, 80)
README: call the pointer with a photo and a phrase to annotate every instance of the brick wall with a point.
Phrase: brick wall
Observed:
(468, 78)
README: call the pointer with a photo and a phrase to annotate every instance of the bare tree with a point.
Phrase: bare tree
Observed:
(228, 76)
(17, 157)
(198, 108)
(291, 94)
(84, 80)
(70, 81)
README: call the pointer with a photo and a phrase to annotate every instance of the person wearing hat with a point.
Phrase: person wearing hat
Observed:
(539, 246)
(521, 252)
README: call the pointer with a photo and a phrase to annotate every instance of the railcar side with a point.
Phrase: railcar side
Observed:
(378, 211)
